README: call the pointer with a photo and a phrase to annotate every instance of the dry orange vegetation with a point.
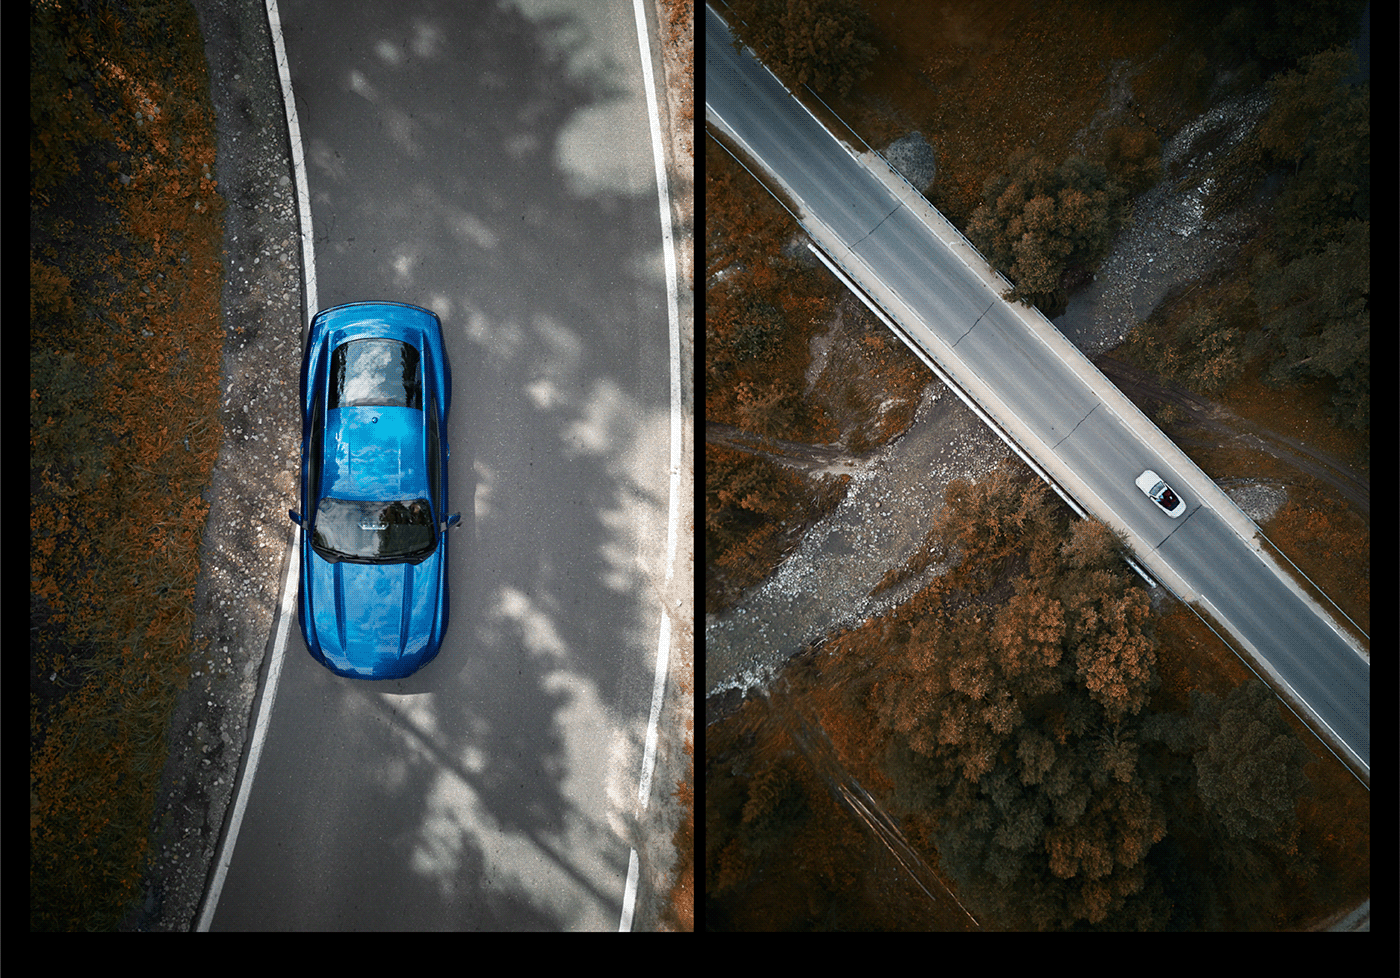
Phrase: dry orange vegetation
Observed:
(126, 341)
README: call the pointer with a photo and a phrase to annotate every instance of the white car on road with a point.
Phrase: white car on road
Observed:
(1160, 493)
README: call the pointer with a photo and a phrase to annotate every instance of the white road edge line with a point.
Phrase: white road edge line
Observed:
(663, 647)
(308, 256)
(286, 605)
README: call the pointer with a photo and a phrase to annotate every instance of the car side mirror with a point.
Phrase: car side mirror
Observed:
(452, 521)
(296, 517)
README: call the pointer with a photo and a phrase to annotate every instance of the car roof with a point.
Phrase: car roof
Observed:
(374, 453)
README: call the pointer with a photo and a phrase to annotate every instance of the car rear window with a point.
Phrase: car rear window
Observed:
(375, 373)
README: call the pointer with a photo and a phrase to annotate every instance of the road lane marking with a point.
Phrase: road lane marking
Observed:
(668, 250)
(308, 257)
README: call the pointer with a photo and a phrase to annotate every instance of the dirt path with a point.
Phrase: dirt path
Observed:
(817, 748)
(812, 459)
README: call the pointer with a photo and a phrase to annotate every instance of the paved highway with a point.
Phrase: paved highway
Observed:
(1053, 402)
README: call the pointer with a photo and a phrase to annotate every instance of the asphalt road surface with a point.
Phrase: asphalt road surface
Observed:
(1089, 448)
(492, 162)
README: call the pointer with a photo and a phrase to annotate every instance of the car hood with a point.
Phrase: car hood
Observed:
(374, 621)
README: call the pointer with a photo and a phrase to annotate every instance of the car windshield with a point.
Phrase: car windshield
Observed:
(373, 532)
(375, 373)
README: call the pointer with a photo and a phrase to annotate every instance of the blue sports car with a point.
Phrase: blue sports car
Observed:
(375, 389)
